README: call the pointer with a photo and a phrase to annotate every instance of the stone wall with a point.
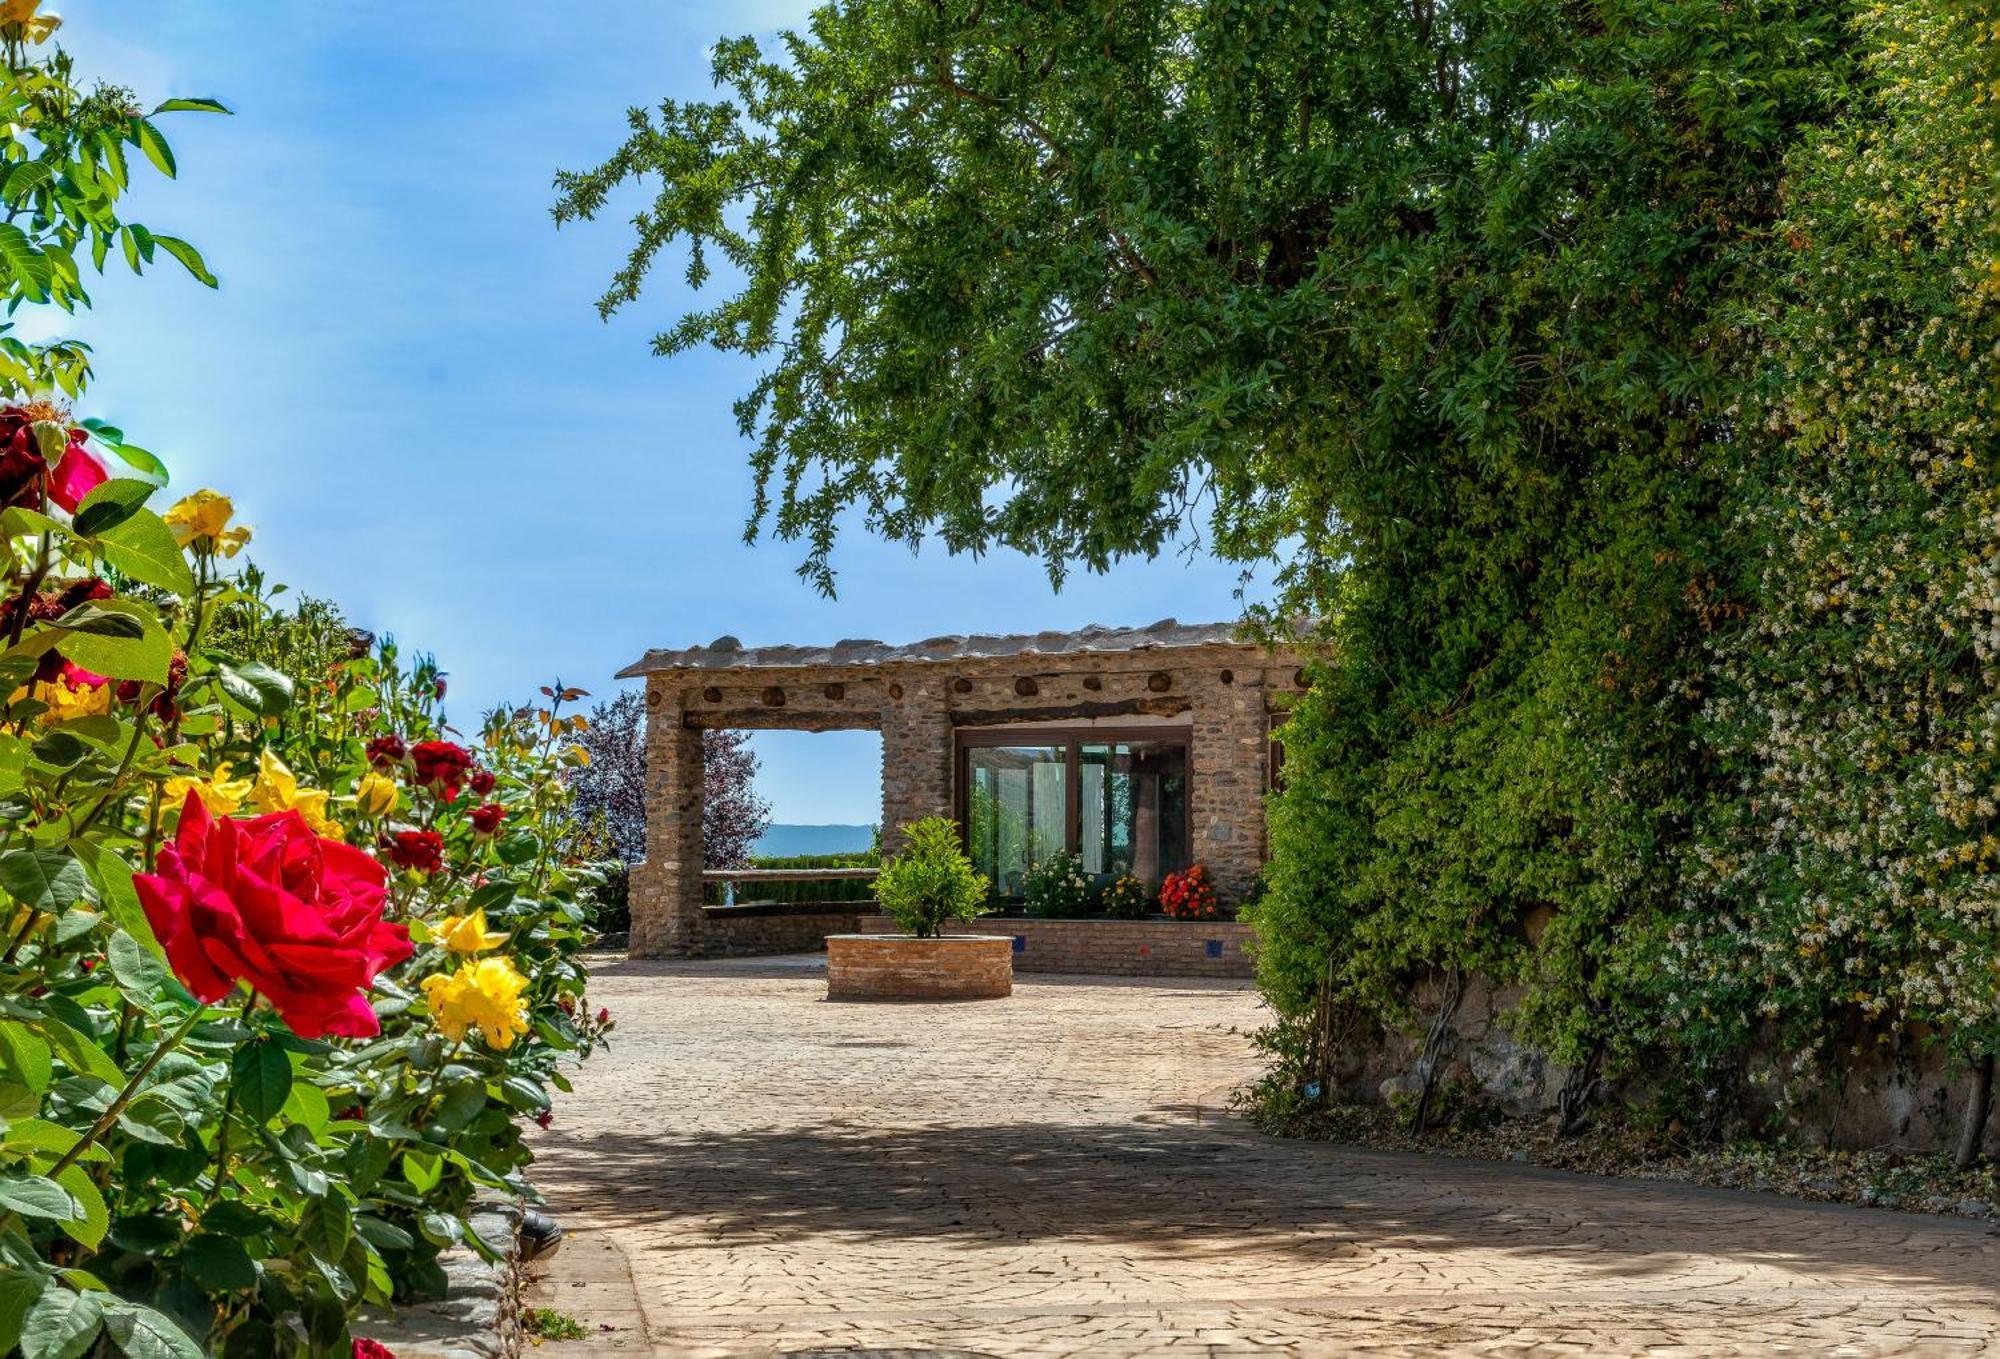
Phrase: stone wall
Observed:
(1901, 1097)
(1113, 948)
(897, 967)
(1225, 695)
(763, 930)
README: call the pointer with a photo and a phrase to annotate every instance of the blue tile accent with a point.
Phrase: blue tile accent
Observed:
(1215, 948)
(1020, 943)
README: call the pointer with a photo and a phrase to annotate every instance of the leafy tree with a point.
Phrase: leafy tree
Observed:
(1440, 307)
(611, 789)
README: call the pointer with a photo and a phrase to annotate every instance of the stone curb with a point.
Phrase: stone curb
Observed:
(479, 1317)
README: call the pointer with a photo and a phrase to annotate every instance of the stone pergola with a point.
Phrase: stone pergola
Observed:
(1204, 683)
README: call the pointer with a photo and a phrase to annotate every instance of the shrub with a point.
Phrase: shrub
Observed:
(931, 883)
(1128, 899)
(1189, 895)
(1056, 886)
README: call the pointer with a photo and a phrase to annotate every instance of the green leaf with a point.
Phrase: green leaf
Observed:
(80, 1054)
(142, 975)
(524, 1094)
(218, 1262)
(307, 1106)
(261, 1075)
(38, 1137)
(93, 1220)
(48, 879)
(60, 749)
(422, 1170)
(134, 646)
(26, 1055)
(189, 257)
(192, 104)
(143, 1333)
(327, 1226)
(61, 1325)
(144, 548)
(109, 504)
(146, 462)
(29, 266)
(264, 691)
(18, 1291)
(24, 179)
(36, 1196)
(115, 893)
(148, 139)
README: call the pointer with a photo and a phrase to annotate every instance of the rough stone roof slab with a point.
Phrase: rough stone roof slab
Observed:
(726, 653)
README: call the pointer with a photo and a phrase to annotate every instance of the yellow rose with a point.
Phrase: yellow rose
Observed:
(376, 795)
(485, 995)
(201, 521)
(68, 701)
(468, 933)
(277, 790)
(36, 27)
(218, 792)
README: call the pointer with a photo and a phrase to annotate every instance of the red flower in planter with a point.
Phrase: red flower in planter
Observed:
(441, 766)
(486, 817)
(269, 903)
(1189, 895)
(422, 850)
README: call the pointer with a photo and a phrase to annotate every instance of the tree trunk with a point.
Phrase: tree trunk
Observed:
(1978, 1103)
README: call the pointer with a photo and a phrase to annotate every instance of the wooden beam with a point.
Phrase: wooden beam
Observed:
(1167, 706)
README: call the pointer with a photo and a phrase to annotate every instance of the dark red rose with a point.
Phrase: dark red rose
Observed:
(365, 1348)
(24, 472)
(486, 817)
(269, 903)
(438, 689)
(162, 705)
(482, 782)
(422, 850)
(603, 1016)
(441, 766)
(384, 751)
(545, 1117)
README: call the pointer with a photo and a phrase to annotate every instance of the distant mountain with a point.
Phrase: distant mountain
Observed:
(782, 841)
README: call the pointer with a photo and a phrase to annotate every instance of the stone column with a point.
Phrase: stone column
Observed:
(1228, 752)
(666, 888)
(916, 755)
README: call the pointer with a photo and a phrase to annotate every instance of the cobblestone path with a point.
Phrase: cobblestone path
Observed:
(753, 1170)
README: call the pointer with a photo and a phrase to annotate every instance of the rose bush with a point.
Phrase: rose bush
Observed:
(287, 963)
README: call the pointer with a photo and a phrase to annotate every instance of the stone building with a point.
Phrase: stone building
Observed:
(1141, 750)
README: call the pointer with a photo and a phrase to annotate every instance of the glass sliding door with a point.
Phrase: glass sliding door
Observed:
(1132, 814)
(1016, 810)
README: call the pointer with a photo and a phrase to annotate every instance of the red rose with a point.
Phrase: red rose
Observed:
(162, 705)
(269, 903)
(441, 766)
(365, 1348)
(438, 689)
(384, 751)
(603, 1016)
(486, 817)
(421, 850)
(545, 1117)
(482, 782)
(24, 471)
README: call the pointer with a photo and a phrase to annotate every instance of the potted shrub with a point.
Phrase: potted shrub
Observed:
(924, 889)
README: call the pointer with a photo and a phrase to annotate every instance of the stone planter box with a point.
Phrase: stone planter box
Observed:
(903, 967)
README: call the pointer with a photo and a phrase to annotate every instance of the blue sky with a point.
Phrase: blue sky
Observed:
(405, 386)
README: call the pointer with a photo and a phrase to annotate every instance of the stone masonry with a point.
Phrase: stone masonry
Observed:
(1222, 690)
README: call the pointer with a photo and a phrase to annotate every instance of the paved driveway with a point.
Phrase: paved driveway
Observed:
(753, 1170)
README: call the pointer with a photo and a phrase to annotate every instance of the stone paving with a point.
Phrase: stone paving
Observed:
(754, 1170)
